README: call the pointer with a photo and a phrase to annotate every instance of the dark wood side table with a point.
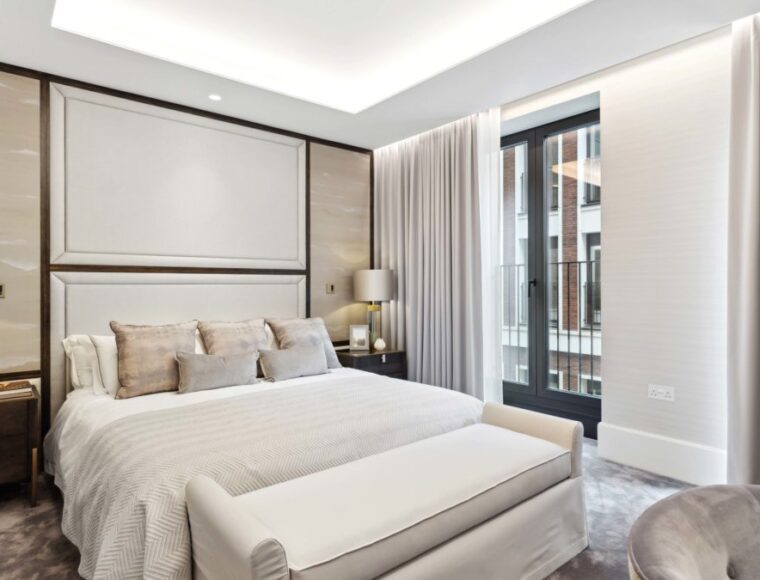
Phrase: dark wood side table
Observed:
(390, 363)
(20, 439)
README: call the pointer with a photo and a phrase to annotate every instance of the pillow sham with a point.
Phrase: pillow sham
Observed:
(228, 338)
(292, 332)
(290, 363)
(146, 354)
(108, 362)
(200, 372)
(84, 371)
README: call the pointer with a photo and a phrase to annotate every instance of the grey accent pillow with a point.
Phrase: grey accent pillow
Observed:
(293, 332)
(199, 372)
(147, 356)
(290, 363)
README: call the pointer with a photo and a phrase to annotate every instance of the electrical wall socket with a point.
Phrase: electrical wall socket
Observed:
(662, 393)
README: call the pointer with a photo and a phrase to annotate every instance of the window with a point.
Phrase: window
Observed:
(551, 243)
(592, 182)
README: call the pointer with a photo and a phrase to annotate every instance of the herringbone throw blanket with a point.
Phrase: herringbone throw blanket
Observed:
(125, 503)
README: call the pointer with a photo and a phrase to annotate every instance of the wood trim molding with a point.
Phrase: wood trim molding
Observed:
(45, 252)
(20, 375)
(172, 269)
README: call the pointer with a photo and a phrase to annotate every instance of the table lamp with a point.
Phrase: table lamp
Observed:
(373, 286)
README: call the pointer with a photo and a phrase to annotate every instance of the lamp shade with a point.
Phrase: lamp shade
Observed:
(373, 285)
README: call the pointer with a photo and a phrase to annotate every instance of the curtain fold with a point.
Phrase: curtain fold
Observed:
(744, 256)
(428, 215)
(490, 194)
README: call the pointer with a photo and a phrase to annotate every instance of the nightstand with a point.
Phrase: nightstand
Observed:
(391, 363)
(19, 440)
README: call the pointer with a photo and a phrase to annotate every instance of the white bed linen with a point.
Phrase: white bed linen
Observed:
(85, 412)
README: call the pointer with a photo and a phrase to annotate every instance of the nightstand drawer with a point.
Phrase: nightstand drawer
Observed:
(13, 418)
(13, 458)
(382, 363)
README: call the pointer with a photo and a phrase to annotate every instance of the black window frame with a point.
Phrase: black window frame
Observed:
(536, 395)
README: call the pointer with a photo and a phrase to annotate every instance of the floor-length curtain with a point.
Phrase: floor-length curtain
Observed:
(427, 227)
(744, 257)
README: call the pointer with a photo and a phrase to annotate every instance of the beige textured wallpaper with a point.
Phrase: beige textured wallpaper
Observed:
(340, 234)
(19, 224)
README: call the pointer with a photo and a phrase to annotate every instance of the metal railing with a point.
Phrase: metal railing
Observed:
(574, 313)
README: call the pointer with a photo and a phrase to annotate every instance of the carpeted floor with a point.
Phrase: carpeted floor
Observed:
(33, 548)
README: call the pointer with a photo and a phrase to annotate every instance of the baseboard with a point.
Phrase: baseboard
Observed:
(675, 458)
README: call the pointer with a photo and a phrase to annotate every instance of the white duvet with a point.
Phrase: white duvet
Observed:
(122, 464)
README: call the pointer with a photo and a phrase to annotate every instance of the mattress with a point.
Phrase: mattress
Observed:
(122, 464)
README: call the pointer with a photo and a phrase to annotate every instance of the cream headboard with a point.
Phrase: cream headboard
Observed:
(85, 303)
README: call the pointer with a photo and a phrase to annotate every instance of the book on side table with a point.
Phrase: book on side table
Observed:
(16, 389)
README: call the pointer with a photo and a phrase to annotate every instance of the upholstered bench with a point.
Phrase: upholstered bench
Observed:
(706, 533)
(483, 501)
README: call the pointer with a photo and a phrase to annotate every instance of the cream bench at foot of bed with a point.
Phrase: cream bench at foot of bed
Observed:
(500, 499)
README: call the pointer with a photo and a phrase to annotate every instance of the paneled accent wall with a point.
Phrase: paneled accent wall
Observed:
(133, 184)
(19, 224)
(340, 234)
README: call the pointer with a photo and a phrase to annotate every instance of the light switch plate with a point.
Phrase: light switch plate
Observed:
(329, 288)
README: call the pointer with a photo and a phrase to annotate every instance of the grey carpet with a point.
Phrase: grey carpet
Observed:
(33, 548)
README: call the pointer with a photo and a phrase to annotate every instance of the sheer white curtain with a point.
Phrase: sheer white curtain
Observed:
(429, 229)
(490, 193)
(744, 257)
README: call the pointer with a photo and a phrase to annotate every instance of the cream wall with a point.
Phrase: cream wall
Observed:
(664, 123)
(19, 223)
(340, 240)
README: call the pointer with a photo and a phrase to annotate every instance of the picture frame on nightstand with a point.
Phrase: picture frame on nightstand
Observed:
(358, 338)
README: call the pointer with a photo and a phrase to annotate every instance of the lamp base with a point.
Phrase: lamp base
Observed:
(374, 321)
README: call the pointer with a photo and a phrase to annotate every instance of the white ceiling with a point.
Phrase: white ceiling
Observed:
(593, 37)
(343, 54)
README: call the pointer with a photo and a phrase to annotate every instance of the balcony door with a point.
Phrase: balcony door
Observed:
(551, 269)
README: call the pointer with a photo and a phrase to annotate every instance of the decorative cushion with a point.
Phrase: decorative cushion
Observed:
(294, 332)
(299, 361)
(228, 338)
(147, 356)
(199, 372)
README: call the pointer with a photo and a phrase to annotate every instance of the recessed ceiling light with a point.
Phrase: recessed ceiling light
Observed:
(349, 56)
(215, 97)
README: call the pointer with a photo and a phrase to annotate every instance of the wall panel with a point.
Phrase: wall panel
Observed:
(19, 223)
(340, 234)
(136, 184)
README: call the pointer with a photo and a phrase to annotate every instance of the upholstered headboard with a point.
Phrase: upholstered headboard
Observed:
(85, 303)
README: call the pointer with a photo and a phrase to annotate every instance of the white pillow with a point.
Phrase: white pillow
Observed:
(84, 370)
(108, 360)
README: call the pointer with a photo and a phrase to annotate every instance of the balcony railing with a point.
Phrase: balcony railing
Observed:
(575, 295)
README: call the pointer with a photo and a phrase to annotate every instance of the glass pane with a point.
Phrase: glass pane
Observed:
(572, 178)
(514, 264)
